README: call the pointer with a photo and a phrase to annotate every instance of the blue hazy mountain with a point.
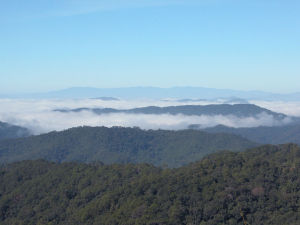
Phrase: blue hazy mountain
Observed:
(159, 93)
(106, 99)
(239, 110)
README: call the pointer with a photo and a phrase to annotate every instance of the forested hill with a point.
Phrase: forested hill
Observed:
(239, 110)
(264, 135)
(121, 145)
(8, 131)
(257, 187)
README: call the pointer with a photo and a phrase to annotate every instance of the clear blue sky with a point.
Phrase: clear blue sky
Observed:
(236, 44)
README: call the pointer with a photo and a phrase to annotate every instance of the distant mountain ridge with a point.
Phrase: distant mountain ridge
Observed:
(121, 145)
(107, 98)
(159, 93)
(239, 110)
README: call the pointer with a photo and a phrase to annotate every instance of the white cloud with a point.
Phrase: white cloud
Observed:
(288, 108)
(38, 115)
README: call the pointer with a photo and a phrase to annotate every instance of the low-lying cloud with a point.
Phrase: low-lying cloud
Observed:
(288, 108)
(38, 116)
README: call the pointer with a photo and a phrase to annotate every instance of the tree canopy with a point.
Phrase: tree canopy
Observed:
(257, 187)
(121, 145)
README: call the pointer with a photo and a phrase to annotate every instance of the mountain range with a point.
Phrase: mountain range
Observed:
(239, 110)
(158, 93)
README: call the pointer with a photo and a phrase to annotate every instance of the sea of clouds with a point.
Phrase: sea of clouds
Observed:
(39, 115)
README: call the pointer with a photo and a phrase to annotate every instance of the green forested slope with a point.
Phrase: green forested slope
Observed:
(8, 131)
(121, 145)
(257, 187)
(264, 135)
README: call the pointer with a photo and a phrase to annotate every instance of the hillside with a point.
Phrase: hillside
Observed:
(264, 135)
(8, 131)
(239, 110)
(257, 187)
(121, 145)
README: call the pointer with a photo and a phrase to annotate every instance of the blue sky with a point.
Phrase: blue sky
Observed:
(235, 44)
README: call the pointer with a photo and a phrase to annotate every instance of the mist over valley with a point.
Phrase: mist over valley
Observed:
(45, 115)
(149, 112)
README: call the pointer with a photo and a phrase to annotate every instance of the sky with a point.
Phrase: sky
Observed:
(235, 44)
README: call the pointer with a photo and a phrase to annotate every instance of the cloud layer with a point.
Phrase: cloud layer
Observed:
(288, 108)
(38, 115)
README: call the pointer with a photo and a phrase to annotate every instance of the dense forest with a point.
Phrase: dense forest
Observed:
(264, 135)
(121, 145)
(256, 187)
(8, 131)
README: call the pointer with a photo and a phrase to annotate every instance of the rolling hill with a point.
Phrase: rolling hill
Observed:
(8, 131)
(121, 145)
(264, 135)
